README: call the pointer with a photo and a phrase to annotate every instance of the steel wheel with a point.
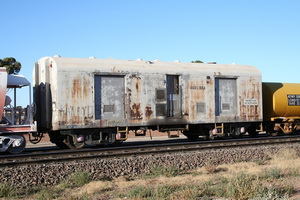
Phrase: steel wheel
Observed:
(18, 145)
(72, 142)
(211, 135)
(237, 132)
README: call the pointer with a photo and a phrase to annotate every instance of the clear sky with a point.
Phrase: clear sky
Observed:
(262, 33)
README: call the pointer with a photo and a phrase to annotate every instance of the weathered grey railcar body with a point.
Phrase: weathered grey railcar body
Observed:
(99, 93)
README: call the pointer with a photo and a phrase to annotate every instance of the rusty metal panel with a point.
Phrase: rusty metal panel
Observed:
(199, 99)
(136, 104)
(250, 99)
(73, 101)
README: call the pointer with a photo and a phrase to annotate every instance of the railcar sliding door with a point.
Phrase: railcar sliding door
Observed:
(173, 96)
(109, 97)
(225, 97)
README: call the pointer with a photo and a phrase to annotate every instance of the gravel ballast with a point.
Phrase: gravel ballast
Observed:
(54, 173)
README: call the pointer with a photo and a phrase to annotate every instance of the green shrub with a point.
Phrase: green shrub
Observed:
(45, 194)
(76, 180)
(6, 190)
(155, 192)
(140, 192)
(272, 173)
(273, 193)
(187, 192)
(242, 186)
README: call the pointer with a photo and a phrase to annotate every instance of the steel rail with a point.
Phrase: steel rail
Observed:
(115, 152)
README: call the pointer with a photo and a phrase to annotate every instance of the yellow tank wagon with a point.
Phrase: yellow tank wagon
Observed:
(281, 107)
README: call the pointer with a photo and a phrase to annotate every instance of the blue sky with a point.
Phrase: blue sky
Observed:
(262, 33)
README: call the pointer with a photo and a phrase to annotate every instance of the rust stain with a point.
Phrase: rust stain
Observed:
(197, 91)
(210, 113)
(77, 112)
(135, 98)
(88, 120)
(135, 112)
(76, 89)
(86, 87)
(250, 89)
(75, 118)
(148, 112)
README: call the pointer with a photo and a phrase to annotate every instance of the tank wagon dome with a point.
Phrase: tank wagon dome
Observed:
(124, 66)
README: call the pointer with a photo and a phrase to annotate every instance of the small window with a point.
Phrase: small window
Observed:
(173, 84)
(225, 106)
(160, 94)
(160, 109)
(109, 108)
(201, 107)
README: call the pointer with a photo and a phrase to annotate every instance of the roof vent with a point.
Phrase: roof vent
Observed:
(56, 56)
(139, 59)
(213, 62)
(177, 61)
(92, 57)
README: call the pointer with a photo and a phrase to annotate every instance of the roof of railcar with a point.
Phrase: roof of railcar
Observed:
(92, 64)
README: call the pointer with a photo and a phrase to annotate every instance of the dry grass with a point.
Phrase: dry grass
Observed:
(93, 188)
(277, 178)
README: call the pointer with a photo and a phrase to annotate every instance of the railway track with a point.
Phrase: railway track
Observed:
(51, 156)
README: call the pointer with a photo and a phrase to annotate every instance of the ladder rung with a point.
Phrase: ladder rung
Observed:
(220, 126)
(123, 131)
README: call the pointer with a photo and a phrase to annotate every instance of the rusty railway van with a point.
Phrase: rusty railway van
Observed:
(98, 101)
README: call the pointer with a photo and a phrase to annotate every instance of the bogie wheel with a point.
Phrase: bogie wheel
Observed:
(211, 135)
(18, 145)
(72, 142)
(237, 132)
